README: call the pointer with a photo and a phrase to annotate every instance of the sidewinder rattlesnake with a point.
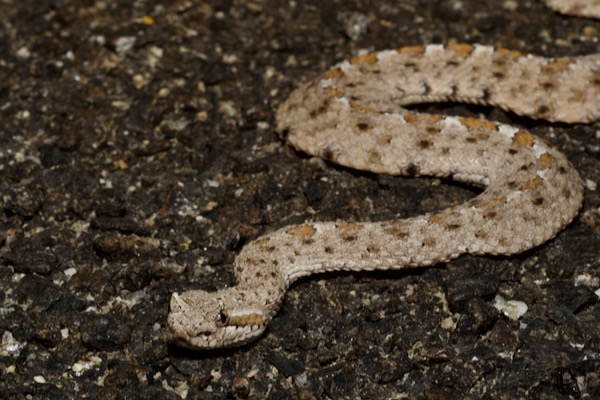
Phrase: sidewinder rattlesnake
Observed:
(353, 115)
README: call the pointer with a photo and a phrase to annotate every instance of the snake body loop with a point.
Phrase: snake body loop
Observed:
(354, 115)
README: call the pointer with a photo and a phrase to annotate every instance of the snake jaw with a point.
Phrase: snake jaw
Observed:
(207, 320)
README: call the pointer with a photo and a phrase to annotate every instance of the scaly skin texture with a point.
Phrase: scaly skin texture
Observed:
(353, 115)
(583, 8)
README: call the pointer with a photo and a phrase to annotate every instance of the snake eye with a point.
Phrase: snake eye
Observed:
(223, 317)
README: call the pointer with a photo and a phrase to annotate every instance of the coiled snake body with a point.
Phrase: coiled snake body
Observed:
(353, 115)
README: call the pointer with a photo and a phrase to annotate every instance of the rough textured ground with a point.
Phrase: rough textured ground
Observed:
(138, 155)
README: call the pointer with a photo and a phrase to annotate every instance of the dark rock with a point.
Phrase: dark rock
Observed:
(477, 317)
(105, 332)
(459, 291)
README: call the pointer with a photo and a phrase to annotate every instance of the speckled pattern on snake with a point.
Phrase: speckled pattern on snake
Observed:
(353, 115)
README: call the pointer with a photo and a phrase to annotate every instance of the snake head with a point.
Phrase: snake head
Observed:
(210, 320)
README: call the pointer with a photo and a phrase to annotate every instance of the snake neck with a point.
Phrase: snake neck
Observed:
(262, 276)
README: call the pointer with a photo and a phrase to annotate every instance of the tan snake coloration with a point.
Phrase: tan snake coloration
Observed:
(583, 8)
(353, 115)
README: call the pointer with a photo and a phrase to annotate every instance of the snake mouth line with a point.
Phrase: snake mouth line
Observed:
(230, 336)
